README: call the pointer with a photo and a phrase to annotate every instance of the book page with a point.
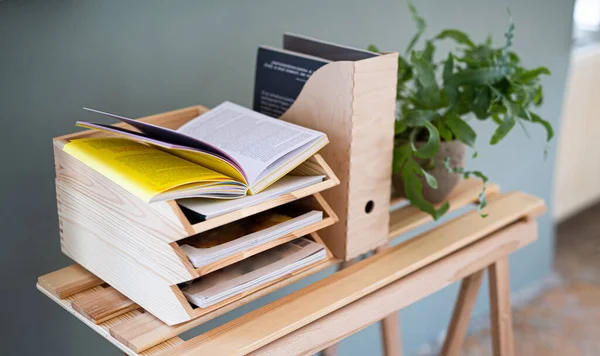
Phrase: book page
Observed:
(143, 170)
(210, 208)
(252, 139)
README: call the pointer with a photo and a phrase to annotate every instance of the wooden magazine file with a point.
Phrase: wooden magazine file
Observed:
(133, 246)
(354, 104)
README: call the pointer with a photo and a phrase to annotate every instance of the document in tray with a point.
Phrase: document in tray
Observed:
(227, 152)
(205, 209)
(253, 272)
(241, 235)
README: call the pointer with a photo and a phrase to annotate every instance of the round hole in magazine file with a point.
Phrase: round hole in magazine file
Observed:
(369, 206)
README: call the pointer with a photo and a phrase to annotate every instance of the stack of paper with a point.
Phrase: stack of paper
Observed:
(253, 272)
(256, 230)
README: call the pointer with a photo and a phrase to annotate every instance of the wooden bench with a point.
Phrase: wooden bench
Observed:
(323, 313)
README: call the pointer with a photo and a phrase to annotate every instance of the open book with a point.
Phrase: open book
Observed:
(227, 152)
(254, 271)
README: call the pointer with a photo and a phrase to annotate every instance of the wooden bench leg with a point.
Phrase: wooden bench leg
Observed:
(463, 308)
(332, 350)
(500, 309)
(390, 331)
(390, 327)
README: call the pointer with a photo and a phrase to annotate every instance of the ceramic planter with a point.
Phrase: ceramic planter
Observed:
(446, 181)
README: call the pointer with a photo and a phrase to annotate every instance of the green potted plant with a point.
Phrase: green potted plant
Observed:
(437, 100)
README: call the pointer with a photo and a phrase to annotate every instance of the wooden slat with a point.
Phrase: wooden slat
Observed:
(146, 330)
(68, 281)
(390, 327)
(332, 350)
(293, 311)
(461, 315)
(390, 332)
(500, 310)
(409, 217)
(103, 305)
(103, 328)
(358, 315)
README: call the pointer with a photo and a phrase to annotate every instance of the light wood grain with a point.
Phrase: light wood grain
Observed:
(391, 334)
(293, 311)
(356, 316)
(390, 326)
(372, 130)
(68, 281)
(103, 305)
(146, 330)
(103, 328)
(466, 192)
(500, 309)
(353, 103)
(139, 230)
(465, 302)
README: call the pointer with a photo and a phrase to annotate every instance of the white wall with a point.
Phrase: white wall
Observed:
(577, 183)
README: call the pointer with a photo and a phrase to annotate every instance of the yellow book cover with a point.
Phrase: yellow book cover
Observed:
(225, 153)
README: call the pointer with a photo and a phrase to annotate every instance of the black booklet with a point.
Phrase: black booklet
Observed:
(282, 73)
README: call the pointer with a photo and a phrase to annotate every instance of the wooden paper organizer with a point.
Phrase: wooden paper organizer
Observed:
(134, 247)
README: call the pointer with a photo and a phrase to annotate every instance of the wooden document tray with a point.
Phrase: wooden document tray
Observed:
(133, 246)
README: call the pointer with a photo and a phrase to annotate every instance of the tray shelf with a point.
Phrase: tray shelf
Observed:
(313, 202)
(133, 246)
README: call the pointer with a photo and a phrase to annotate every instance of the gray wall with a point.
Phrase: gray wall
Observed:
(136, 58)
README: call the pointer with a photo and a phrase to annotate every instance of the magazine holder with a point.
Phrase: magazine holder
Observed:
(354, 103)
